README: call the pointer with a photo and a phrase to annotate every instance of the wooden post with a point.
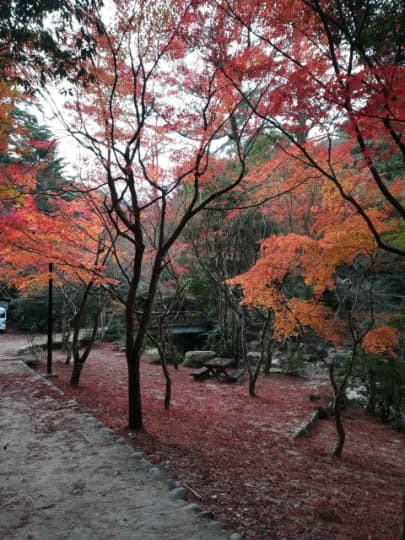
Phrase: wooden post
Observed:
(50, 321)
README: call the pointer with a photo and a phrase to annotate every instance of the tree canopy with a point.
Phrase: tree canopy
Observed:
(293, 111)
(35, 43)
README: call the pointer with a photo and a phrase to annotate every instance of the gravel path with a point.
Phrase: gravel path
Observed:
(64, 476)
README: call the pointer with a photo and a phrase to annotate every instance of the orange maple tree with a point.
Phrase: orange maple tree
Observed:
(320, 234)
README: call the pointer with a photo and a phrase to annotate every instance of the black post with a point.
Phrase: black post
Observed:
(50, 320)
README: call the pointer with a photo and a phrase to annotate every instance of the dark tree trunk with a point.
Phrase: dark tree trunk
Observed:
(134, 344)
(269, 360)
(76, 372)
(133, 354)
(267, 351)
(340, 430)
(403, 514)
(164, 338)
(253, 376)
(253, 373)
(252, 386)
(135, 420)
(338, 401)
(68, 353)
(79, 359)
(337, 411)
(168, 387)
(66, 333)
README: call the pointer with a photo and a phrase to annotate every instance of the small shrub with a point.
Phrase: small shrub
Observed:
(384, 383)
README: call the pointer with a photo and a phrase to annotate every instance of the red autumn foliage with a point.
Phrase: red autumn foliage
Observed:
(238, 454)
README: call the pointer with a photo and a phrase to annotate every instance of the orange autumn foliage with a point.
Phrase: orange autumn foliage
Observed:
(319, 232)
(382, 341)
(69, 237)
(67, 233)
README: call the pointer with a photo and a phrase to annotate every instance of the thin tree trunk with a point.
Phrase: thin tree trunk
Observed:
(163, 337)
(253, 380)
(161, 346)
(253, 376)
(337, 398)
(263, 338)
(135, 420)
(253, 373)
(339, 394)
(168, 387)
(66, 332)
(269, 359)
(67, 343)
(403, 514)
(80, 359)
(77, 360)
(340, 430)
(68, 352)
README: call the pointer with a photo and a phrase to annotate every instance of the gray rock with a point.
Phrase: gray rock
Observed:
(206, 514)
(108, 432)
(235, 536)
(276, 360)
(151, 356)
(31, 360)
(337, 356)
(145, 464)
(302, 430)
(216, 525)
(178, 493)
(253, 357)
(31, 350)
(196, 359)
(155, 472)
(171, 484)
(194, 507)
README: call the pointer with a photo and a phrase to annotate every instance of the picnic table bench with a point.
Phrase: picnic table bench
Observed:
(200, 374)
(221, 369)
(235, 375)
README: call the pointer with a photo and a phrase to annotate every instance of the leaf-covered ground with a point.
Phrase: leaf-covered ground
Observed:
(237, 455)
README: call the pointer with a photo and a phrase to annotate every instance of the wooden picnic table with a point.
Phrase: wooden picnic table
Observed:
(218, 367)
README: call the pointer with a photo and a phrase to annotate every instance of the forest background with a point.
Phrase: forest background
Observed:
(239, 159)
(242, 160)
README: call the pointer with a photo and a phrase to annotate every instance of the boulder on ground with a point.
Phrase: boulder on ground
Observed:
(337, 356)
(197, 359)
(31, 355)
(36, 350)
(31, 360)
(253, 358)
(151, 356)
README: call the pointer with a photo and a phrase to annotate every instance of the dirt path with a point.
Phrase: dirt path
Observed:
(64, 476)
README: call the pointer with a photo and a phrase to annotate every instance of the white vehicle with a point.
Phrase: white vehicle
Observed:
(3, 319)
